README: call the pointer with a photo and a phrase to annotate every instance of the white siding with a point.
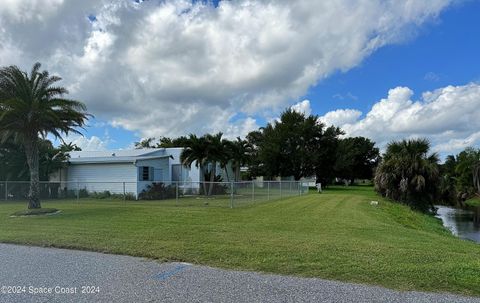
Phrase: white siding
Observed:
(103, 177)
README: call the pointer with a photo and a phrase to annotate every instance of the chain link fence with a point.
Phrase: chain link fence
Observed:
(219, 194)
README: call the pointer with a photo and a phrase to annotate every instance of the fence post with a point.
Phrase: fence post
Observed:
(124, 192)
(268, 190)
(176, 192)
(253, 191)
(6, 190)
(78, 191)
(231, 194)
(281, 195)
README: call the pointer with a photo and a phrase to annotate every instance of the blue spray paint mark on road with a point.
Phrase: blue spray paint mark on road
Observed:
(165, 275)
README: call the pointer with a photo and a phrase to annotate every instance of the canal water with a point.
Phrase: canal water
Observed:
(461, 222)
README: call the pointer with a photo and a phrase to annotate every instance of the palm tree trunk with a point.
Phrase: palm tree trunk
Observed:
(237, 172)
(226, 172)
(31, 151)
(202, 173)
(476, 177)
(212, 178)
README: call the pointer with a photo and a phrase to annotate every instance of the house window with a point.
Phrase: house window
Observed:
(145, 174)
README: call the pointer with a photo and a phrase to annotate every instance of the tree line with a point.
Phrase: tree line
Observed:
(295, 145)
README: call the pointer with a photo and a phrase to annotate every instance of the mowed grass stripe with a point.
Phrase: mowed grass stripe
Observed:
(336, 235)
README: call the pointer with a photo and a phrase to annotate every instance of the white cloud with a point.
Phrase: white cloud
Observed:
(240, 128)
(25, 10)
(93, 143)
(443, 115)
(340, 117)
(431, 76)
(456, 145)
(302, 107)
(347, 96)
(174, 67)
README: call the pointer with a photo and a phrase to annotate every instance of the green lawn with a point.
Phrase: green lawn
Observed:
(475, 202)
(335, 235)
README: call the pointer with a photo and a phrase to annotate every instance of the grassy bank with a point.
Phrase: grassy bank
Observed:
(334, 235)
(475, 202)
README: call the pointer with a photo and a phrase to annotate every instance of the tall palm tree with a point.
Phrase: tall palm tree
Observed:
(409, 174)
(215, 154)
(238, 153)
(206, 152)
(195, 151)
(145, 143)
(32, 107)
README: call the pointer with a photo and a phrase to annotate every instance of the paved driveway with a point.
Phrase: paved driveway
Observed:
(34, 274)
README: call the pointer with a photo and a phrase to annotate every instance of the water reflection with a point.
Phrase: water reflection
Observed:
(463, 223)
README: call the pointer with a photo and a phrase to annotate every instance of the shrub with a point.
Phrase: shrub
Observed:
(83, 193)
(101, 195)
(218, 189)
(409, 174)
(158, 191)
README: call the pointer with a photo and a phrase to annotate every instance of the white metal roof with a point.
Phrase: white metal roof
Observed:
(117, 156)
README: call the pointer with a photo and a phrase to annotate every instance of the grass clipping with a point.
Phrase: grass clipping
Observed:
(35, 212)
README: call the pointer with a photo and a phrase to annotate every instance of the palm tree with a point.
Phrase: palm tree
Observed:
(214, 153)
(68, 147)
(195, 151)
(238, 153)
(145, 143)
(206, 151)
(32, 107)
(409, 174)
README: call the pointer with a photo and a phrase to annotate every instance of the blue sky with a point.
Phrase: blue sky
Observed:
(382, 69)
(444, 52)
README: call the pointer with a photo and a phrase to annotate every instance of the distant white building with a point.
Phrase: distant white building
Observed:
(127, 171)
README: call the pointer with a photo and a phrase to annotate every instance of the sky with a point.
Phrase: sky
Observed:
(382, 69)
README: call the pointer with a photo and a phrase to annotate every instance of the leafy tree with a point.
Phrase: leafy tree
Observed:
(468, 171)
(145, 143)
(32, 107)
(357, 158)
(325, 155)
(166, 142)
(14, 162)
(291, 146)
(255, 167)
(447, 186)
(409, 174)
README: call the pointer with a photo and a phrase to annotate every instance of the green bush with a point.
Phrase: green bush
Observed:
(218, 189)
(158, 191)
(108, 195)
(101, 195)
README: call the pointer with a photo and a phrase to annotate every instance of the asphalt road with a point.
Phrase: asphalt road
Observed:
(28, 274)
